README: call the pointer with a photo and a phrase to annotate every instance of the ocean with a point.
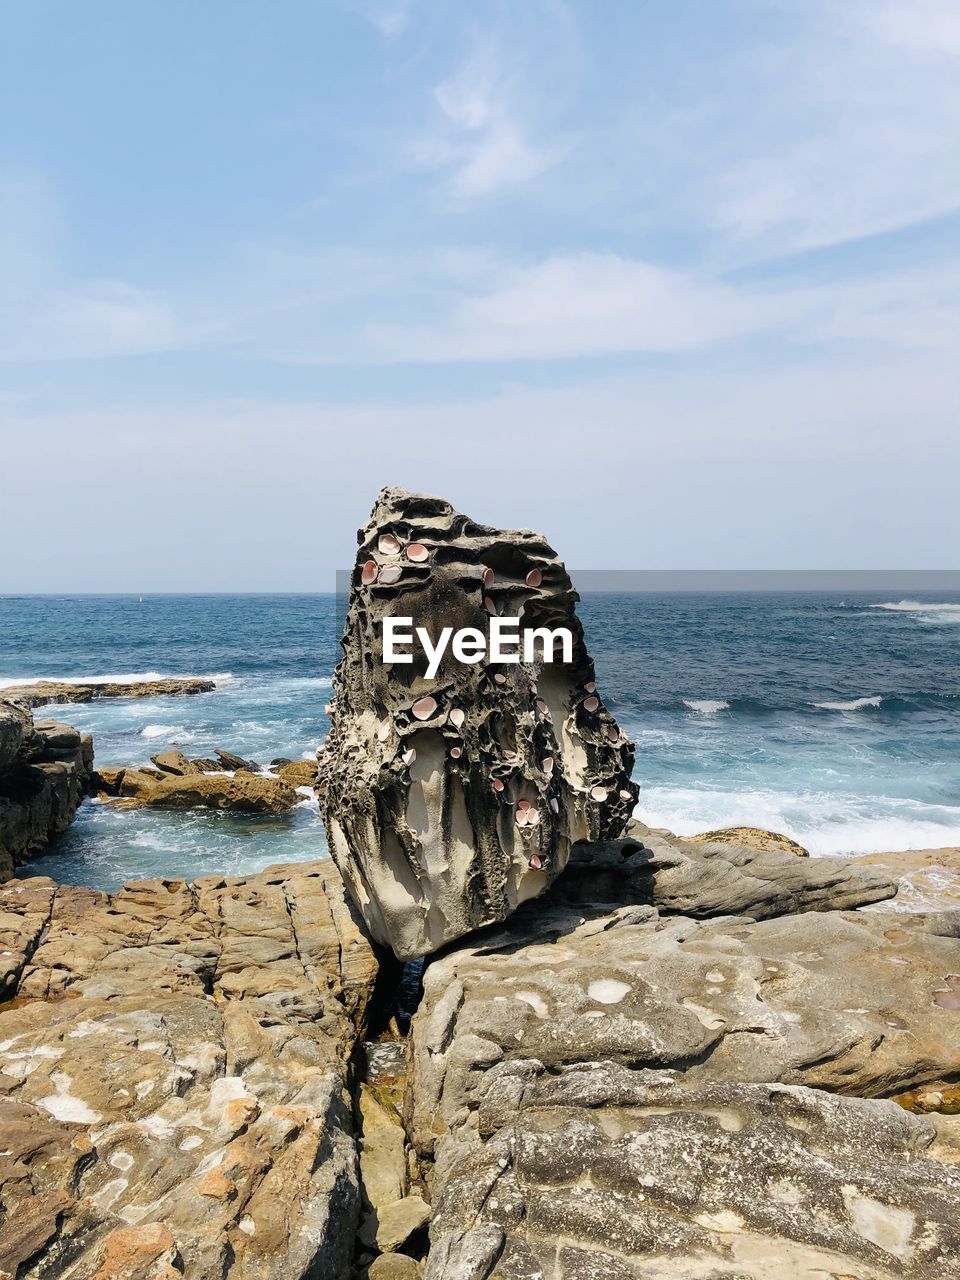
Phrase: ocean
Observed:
(834, 718)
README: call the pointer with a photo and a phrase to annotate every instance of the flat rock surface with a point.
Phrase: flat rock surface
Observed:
(848, 1002)
(604, 1086)
(602, 1171)
(34, 695)
(928, 879)
(173, 1070)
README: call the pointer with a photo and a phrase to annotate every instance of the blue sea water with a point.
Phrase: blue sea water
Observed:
(833, 718)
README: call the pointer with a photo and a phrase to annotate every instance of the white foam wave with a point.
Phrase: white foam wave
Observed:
(706, 706)
(825, 823)
(937, 610)
(124, 677)
(160, 730)
(857, 704)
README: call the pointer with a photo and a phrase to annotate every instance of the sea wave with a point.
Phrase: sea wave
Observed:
(857, 704)
(935, 611)
(161, 730)
(706, 706)
(824, 823)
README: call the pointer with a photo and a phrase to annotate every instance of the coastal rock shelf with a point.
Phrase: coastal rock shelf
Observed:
(43, 691)
(173, 1077)
(44, 770)
(450, 801)
(598, 1171)
(605, 1085)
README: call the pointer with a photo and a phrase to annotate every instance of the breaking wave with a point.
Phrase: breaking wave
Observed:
(857, 704)
(706, 706)
(933, 611)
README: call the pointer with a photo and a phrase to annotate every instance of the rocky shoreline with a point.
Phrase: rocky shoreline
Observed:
(61, 691)
(629, 1056)
(182, 1089)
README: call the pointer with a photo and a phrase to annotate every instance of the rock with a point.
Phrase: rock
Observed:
(175, 762)
(242, 792)
(928, 879)
(44, 691)
(18, 739)
(941, 1097)
(428, 847)
(837, 1001)
(106, 781)
(297, 773)
(394, 1266)
(754, 838)
(699, 879)
(46, 773)
(383, 1156)
(605, 1171)
(228, 760)
(173, 1077)
(394, 1225)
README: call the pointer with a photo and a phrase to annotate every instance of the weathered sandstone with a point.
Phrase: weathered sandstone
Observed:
(754, 838)
(42, 691)
(700, 878)
(241, 792)
(928, 879)
(448, 802)
(600, 1171)
(44, 770)
(605, 1086)
(840, 1001)
(173, 1078)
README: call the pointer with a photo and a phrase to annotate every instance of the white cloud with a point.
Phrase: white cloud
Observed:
(839, 461)
(480, 140)
(588, 305)
(88, 320)
(846, 130)
(575, 306)
(928, 26)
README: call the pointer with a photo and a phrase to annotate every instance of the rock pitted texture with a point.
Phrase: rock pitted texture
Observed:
(172, 1078)
(450, 801)
(603, 1173)
(34, 695)
(44, 770)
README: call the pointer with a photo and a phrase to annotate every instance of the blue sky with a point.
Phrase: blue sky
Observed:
(676, 282)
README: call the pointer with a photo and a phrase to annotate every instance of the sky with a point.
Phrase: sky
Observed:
(676, 282)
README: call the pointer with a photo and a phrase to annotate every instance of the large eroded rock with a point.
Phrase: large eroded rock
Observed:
(450, 801)
(173, 1078)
